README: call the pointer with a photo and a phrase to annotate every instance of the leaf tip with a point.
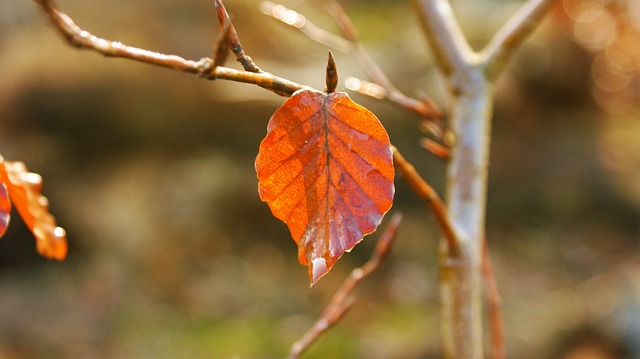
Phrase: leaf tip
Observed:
(317, 269)
(51, 242)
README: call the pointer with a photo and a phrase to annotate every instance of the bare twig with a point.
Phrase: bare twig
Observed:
(424, 107)
(77, 37)
(430, 197)
(448, 43)
(341, 301)
(344, 22)
(435, 148)
(349, 31)
(351, 45)
(365, 88)
(494, 304)
(504, 43)
(205, 67)
(244, 59)
(222, 46)
(300, 22)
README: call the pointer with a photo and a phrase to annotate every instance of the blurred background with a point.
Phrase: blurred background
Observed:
(173, 255)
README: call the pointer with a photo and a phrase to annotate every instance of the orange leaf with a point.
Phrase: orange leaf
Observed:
(24, 191)
(5, 209)
(325, 168)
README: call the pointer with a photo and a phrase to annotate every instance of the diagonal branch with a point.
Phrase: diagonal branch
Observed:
(430, 198)
(350, 44)
(341, 301)
(205, 68)
(499, 50)
(222, 45)
(449, 45)
(236, 47)
(302, 24)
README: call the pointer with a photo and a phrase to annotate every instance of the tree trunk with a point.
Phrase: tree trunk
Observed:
(460, 278)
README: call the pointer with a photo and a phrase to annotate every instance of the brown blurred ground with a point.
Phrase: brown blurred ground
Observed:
(172, 255)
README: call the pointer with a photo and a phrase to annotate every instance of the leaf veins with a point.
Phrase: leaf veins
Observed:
(325, 168)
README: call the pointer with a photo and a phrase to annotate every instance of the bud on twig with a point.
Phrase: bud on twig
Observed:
(332, 74)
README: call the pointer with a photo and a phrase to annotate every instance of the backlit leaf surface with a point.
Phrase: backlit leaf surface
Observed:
(325, 168)
(24, 189)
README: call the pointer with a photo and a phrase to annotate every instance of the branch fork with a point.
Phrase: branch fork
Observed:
(470, 75)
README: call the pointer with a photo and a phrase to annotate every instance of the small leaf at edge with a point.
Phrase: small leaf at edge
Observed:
(24, 191)
(5, 209)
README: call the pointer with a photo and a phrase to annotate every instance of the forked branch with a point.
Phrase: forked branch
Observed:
(204, 67)
(470, 77)
(342, 301)
(504, 43)
(449, 45)
(234, 41)
(222, 45)
(212, 69)
(451, 48)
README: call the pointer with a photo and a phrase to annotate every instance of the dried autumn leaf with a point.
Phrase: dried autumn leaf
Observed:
(325, 168)
(24, 191)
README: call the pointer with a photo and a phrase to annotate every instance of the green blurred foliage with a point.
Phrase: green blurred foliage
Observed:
(173, 255)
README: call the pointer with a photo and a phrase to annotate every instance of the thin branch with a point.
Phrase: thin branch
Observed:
(205, 68)
(435, 148)
(430, 198)
(494, 303)
(341, 301)
(362, 56)
(343, 20)
(424, 108)
(366, 88)
(499, 50)
(309, 29)
(222, 45)
(236, 47)
(449, 45)
(350, 44)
